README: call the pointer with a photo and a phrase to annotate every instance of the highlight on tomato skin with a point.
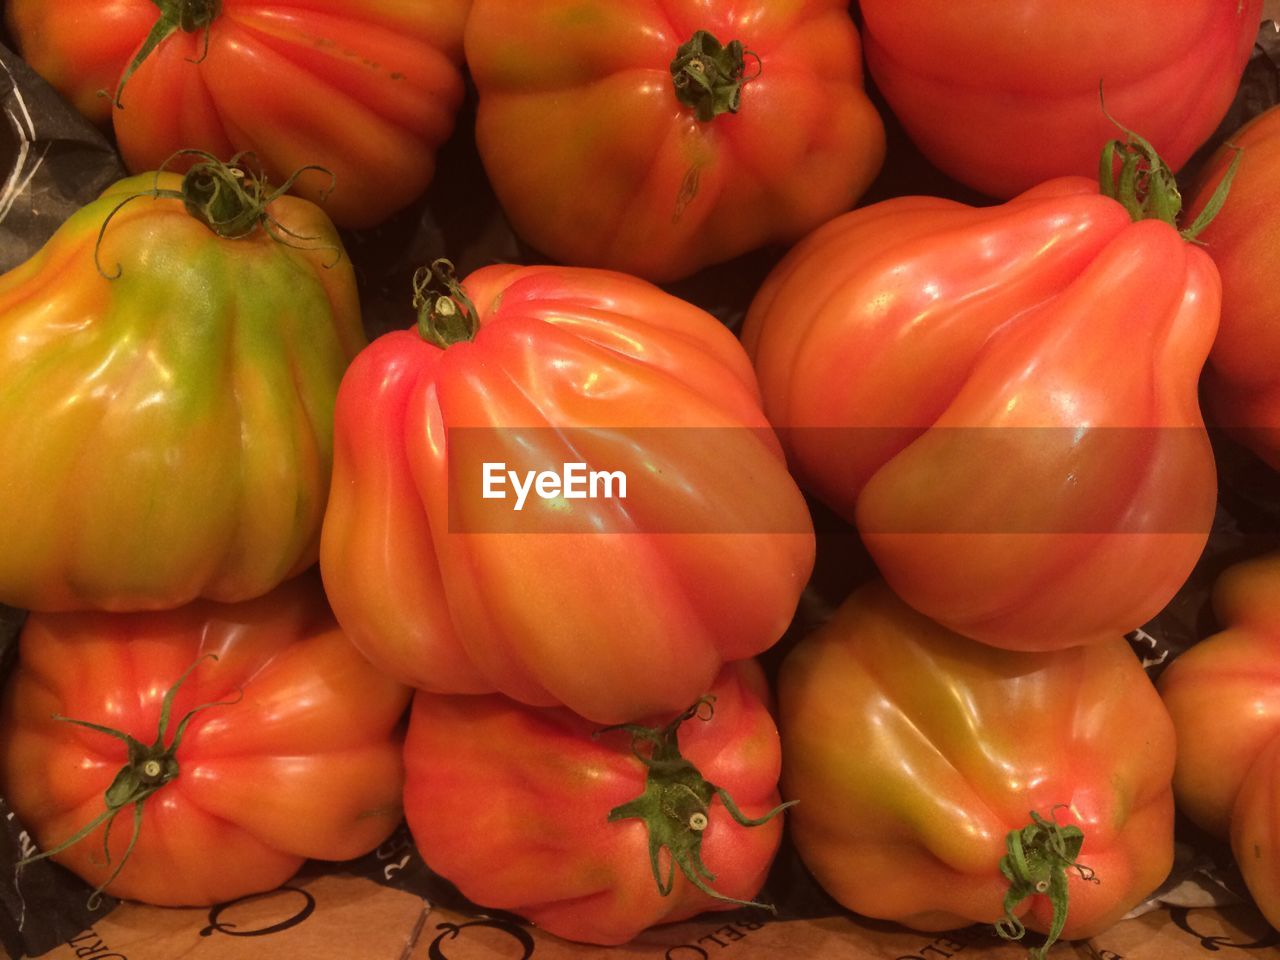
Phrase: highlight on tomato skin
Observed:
(519, 806)
(166, 398)
(367, 89)
(1003, 98)
(1224, 697)
(263, 739)
(913, 752)
(658, 139)
(1004, 401)
(701, 563)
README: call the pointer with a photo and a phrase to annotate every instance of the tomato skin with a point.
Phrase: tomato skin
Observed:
(1003, 98)
(511, 804)
(274, 77)
(307, 764)
(597, 162)
(169, 431)
(1224, 697)
(932, 368)
(913, 751)
(1241, 384)
(702, 563)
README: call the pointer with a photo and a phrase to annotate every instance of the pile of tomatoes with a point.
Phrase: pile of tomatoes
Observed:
(280, 597)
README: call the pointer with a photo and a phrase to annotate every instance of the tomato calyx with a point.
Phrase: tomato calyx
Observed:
(1147, 188)
(186, 15)
(1040, 854)
(149, 768)
(675, 804)
(709, 76)
(231, 199)
(446, 314)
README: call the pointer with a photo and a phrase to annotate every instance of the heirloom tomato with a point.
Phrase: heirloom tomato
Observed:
(1004, 400)
(659, 138)
(919, 758)
(209, 750)
(617, 606)
(1224, 696)
(368, 89)
(581, 830)
(1003, 96)
(166, 396)
(1242, 381)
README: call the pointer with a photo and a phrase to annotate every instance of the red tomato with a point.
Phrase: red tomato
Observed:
(296, 752)
(1004, 400)
(914, 752)
(1242, 383)
(537, 811)
(1224, 696)
(614, 607)
(610, 143)
(1004, 96)
(367, 89)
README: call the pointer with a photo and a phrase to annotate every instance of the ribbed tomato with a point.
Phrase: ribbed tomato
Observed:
(1242, 381)
(280, 744)
(166, 399)
(615, 606)
(366, 88)
(1224, 696)
(914, 753)
(538, 811)
(1004, 400)
(1003, 96)
(659, 137)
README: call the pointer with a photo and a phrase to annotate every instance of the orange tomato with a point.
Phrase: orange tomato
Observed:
(367, 89)
(1224, 696)
(617, 135)
(913, 752)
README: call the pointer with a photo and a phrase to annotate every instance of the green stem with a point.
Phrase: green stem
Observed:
(675, 804)
(446, 314)
(708, 75)
(186, 15)
(1146, 187)
(231, 199)
(1036, 864)
(148, 769)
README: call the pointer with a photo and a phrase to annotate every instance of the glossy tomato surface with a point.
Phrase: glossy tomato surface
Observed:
(1002, 96)
(300, 757)
(1224, 696)
(617, 607)
(598, 162)
(1242, 383)
(1004, 400)
(912, 752)
(367, 89)
(166, 404)
(512, 804)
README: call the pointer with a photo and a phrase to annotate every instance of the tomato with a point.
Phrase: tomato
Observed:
(1004, 401)
(617, 607)
(657, 139)
(537, 811)
(1224, 696)
(166, 401)
(1241, 384)
(1004, 96)
(913, 753)
(280, 744)
(367, 89)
